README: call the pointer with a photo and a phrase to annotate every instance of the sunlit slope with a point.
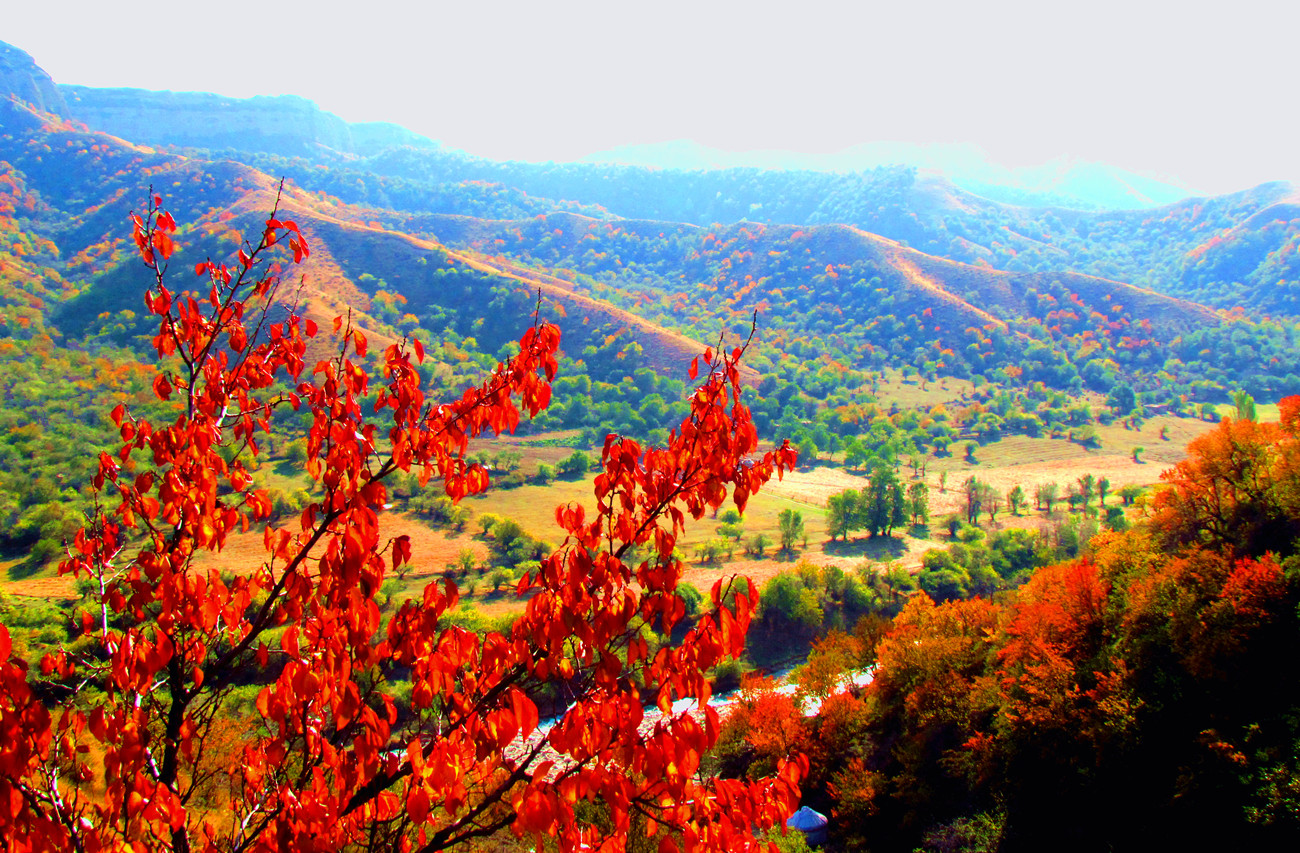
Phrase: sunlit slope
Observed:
(821, 280)
(83, 205)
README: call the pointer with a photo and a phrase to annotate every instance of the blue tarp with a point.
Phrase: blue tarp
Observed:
(811, 823)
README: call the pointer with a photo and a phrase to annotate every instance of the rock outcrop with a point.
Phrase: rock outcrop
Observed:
(281, 124)
(22, 79)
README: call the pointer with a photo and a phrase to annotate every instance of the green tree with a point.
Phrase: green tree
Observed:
(883, 507)
(790, 523)
(1015, 499)
(1122, 399)
(1244, 404)
(808, 451)
(1086, 483)
(1046, 494)
(574, 465)
(841, 512)
(973, 492)
(990, 500)
(918, 502)
(464, 563)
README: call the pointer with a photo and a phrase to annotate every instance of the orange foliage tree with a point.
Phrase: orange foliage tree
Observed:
(1147, 695)
(332, 757)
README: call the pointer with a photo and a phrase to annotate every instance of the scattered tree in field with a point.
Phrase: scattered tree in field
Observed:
(991, 500)
(327, 762)
(973, 493)
(758, 544)
(1128, 494)
(1244, 405)
(732, 526)
(499, 577)
(1103, 486)
(1045, 495)
(711, 550)
(1122, 399)
(574, 465)
(953, 524)
(1086, 483)
(882, 506)
(790, 524)
(464, 563)
(1137, 453)
(918, 502)
(841, 510)
(1015, 499)
(878, 508)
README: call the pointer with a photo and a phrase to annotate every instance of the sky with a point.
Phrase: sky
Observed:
(1199, 94)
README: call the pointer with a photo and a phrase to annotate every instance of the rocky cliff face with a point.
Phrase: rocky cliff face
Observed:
(22, 78)
(283, 124)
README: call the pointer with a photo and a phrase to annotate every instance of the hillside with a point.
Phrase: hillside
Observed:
(1155, 247)
(847, 274)
(1223, 251)
(867, 300)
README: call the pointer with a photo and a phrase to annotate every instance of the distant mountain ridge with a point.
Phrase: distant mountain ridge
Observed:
(287, 125)
(1059, 183)
(1224, 251)
(847, 271)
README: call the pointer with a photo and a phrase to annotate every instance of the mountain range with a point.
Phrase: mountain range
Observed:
(884, 266)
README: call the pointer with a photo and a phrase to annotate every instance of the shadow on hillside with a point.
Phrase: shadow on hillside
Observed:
(881, 548)
(23, 563)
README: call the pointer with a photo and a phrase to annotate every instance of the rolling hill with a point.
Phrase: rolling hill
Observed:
(887, 267)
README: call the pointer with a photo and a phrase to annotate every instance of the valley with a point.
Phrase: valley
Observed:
(464, 442)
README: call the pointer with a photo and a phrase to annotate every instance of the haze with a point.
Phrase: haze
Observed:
(1193, 93)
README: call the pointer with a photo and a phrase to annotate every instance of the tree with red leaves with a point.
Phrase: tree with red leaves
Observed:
(333, 758)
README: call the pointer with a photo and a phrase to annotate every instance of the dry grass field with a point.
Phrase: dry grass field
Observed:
(1015, 460)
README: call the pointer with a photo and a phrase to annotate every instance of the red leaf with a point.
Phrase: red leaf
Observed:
(417, 804)
(525, 712)
(401, 550)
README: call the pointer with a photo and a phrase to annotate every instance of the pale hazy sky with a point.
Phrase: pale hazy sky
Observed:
(1201, 93)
